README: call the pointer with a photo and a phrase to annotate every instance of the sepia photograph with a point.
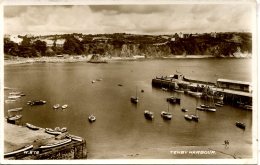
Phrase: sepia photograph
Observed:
(129, 82)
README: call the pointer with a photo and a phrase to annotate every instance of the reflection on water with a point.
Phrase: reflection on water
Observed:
(120, 126)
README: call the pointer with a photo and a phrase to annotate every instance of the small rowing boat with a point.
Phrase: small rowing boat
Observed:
(65, 141)
(21, 150)
(56, 106)
(52, 132)
(73, 137)
(64, 106)
(15, 109)
(16, 117)
(92, 118)
(32, 127)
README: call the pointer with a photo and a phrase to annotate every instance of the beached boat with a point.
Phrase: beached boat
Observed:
(64, 106)
(173, 100)
(10, 101)
(52, 132)
(63, 129)
(91, 118)
(241, 125)
(188, 117)
(16, 117)
(56, 106)
(65, 141)
(148, 115)
(32, 127)
(15, 109)
(184, 110)
(36, 102)
(21, 150)
(93, 81)
(13, 97)
(73, 137)
(164, 89)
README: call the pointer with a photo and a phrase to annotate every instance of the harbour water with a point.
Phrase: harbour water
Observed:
(121, 129)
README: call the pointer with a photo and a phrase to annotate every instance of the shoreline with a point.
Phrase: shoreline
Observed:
(84, 58)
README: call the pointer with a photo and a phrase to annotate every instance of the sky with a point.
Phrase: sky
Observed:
(135, 19)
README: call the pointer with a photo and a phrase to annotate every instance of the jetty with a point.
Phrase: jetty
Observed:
(233, 92)
(17, 137)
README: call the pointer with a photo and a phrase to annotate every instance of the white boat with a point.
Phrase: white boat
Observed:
(13, 97)
(134, 99)
(196, 94)
(91, 118)
(73, 137)
(148, 115)
(166, 115)
(15, 93)
(195, 117)
(93, 81)
(56, 106)
(21, 150)
(100, 79)
(52, 132)
(10, 101)
(188, 117)
(65, 141)
(16, 117)
(15, 109)
(64, 106)
(33, 127)
(63, 129)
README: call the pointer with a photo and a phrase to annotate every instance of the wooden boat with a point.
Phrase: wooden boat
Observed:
(196, 94)
(73, 137)
(16, 117)
(32, 127)
(120, 85)
(166, 115)
(36, 102)
(15, 109)
(100, 79)
(219, 105)
(56, 106)
(173, 100)
(142, 91)
(148, 115)
(241, 125)
(52, 132)
(63, 129)
(13, 97)
(91, 118)
(184, 110)
(195, 117)
(134, 99)
(188, 117)
(15, 93)
(21, 150)
(64, 106)
(10, 101)
(65, 141)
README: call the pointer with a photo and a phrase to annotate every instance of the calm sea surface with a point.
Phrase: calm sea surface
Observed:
(120, 128)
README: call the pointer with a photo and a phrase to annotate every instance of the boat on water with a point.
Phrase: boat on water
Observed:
(206, 108)
(97, 61)
(36, 102)
(195, 117)
(134, 99)
(241, 125)
(164, 89)
(14, 97)
(10, 101)
(196, 94)
(32, 127)
(56, 106)
(166, 115)
(15, 109)
(64, 106)
(99, 79)
(148, 115)
(21, 150)
(73, 137)
(15, 93)
(52, 132)
(93, 81)
(65, 141)
(173, 100)
(16, 117)
(184, 110)
(91, 118)
(219, 104)
(188, 117)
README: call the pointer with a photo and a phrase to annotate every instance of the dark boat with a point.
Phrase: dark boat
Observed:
(166, 115)
(32, 127)
(188, 117)
(241, 125)
(173, 100)
(184, 110)
(21, 150)
(36, 102)
(134, 99)
(148, 115)
(195, 117)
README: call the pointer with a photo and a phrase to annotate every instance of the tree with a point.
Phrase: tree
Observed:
(10, 47)
(40, 46)
(72, 45)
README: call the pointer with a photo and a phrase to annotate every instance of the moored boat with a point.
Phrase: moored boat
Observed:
(13, 97)
(15, 109)
(173, 100)
(64, 106)
(36, 102)
(184, 110)
(65, 141)
(16, 117)
(148, 115)
(195, 117)
(196, 94)
(188, 117)
(91, 118)
(166, 115)
(52, 132)
(134, 99)
(56, 106)
(15, 93)
(10, 101)
(21, 150)
(33, 127)
(73, 137)
(241, 125)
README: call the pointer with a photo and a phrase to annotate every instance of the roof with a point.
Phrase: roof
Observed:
(240, 93)
(234, 81)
